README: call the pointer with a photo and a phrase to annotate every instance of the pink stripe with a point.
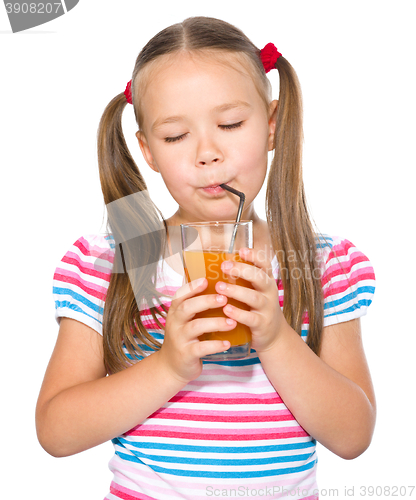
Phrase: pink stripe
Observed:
(226, 398)
(126, 493)
(343, 267)
(219, 416)
(340, 249)
(148, 473)
(218, 434)
(219, 383)
(145, 311)
(169, 290)
(220, 437)
(67, 275)
(85, 267)
(343, 285)
(337, 270)
(79, 284)
(152, 325)
(356, 275)
(169, 489)
(94, 250)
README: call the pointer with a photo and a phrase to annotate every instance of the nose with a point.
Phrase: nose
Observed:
(208, 152)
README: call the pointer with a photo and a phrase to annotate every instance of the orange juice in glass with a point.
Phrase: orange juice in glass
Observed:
(205, 246)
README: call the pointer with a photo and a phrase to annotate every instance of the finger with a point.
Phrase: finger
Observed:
(199, 326)
(187, 309)
(255, 299)
(259, 258)
(189, 290)
(255, 275)
(248, 318)
(206, 347)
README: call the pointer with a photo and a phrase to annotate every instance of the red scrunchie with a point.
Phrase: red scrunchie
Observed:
(127, 93)
(269, 55)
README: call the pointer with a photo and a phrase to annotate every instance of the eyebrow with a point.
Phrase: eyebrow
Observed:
(218, 109)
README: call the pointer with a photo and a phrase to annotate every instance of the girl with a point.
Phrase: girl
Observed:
(182, 428)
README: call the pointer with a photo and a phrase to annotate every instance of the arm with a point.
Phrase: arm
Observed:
(331, 396)
(80, 407)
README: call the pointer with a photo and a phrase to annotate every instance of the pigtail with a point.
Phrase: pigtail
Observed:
(134, 223)
(287, 214)
(119, 174)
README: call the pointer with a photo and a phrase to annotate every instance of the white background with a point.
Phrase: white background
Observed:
(355, 62)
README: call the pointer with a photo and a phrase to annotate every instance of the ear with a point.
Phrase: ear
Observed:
(145, 149)
(272, 123)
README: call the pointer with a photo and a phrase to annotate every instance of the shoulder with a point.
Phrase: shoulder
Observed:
(339, 255)
(348, 279)
(93, 252)
(82, 277)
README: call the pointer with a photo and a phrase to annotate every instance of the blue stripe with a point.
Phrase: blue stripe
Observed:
(218, 449)
(223, 474)
(217, 461)
(110, 240)
(236, 362)
(361, 303)
(65, 304)
(79, 298)
(328, 242)
(329, 304)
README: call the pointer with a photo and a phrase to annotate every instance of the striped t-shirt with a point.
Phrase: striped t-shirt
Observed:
(227, 433)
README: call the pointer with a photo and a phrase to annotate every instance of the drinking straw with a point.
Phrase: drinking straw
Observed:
(240, 209)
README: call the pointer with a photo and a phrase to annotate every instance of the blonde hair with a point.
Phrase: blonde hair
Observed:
(288, 220)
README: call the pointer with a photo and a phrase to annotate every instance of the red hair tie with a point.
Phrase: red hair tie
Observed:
(127, 93)
(269, 55)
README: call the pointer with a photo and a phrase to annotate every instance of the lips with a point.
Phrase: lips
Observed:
(214, 189)
(214, 185)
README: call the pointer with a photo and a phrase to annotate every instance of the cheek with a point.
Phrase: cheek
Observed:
(253, 151)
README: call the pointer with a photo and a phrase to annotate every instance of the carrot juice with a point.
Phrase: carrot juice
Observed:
(199, 264)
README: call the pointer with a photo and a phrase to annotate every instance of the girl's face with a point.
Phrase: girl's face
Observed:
(205, 124)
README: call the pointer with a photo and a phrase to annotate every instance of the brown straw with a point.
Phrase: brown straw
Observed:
(240, 209)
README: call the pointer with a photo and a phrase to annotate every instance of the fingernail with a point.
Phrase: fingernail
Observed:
(221, 286)
(227, 265)
(229, 321)
(199, 281)
(220, 298)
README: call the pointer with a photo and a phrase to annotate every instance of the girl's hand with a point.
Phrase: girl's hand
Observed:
(181, 350)
(265, 317)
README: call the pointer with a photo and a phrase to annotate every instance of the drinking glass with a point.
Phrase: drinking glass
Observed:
(205, 246)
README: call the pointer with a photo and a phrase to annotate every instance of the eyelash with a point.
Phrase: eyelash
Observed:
(223, 127)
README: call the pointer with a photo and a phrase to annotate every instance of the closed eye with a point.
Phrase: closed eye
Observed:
(175, 139)
(231, 126)
(223, 127)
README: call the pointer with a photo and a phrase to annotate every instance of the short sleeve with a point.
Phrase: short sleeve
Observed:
(81, 280)
(348, 282)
